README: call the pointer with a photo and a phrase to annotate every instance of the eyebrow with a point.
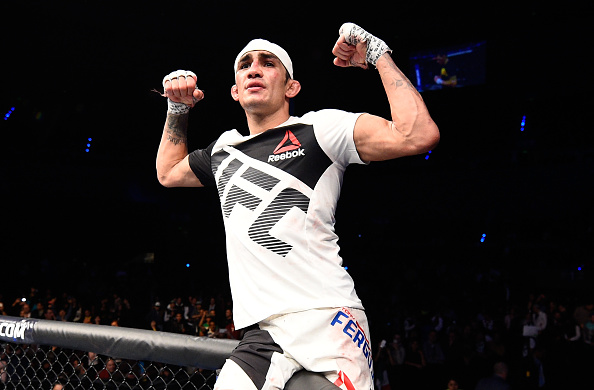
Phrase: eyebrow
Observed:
(266, 56)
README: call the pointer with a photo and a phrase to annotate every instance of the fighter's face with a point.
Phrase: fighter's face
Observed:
(260, 81)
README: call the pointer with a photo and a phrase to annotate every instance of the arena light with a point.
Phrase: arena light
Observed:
(88, 145)
(8, 114)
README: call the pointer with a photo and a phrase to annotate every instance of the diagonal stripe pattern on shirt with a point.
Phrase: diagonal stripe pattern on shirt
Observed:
(259, 232)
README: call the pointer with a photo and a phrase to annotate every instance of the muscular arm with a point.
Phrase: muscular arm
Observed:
(411, 130)
(173, 167)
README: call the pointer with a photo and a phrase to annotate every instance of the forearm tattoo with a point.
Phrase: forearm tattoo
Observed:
(177, 128)
(398, 79)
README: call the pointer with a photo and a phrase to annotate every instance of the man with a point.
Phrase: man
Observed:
(498, 381)
(278, 188)
(445, 73)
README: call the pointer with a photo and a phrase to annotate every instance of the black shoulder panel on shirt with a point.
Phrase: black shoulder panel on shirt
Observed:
(293, 149)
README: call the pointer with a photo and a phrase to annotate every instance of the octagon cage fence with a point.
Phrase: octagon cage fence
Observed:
(43, 354)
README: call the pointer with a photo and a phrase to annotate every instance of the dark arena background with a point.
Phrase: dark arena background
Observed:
(494, 221)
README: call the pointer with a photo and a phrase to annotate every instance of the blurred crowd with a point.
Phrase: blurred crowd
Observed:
(544, 342)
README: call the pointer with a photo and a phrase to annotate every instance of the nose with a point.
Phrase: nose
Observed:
(255, 70)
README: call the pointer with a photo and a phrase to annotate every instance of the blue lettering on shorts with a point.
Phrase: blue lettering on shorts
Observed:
(351, 328)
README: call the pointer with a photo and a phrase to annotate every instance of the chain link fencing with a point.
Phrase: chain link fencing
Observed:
(29, 366)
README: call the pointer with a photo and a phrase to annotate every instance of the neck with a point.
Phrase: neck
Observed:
(258, 123)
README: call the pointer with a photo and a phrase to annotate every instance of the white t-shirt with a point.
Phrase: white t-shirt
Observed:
(278, 192)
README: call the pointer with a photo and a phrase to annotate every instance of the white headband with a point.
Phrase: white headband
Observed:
(262, 44)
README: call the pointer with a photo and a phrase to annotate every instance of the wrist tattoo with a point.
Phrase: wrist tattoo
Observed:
(177, 128)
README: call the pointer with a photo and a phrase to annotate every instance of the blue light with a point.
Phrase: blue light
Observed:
(7, 115)
(346, 268)
(427, 155)
(88, 145)
(187, 265)
(523, 123)
(483, 237)
(418, 74)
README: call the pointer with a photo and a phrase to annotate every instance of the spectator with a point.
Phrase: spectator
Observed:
(434, 358)
(169, 312)
(539, 318)
(397, 350)
(437, 322)
(177, 324)
(453, 385)
(190, 310)
(79, 369)
(588, 331)
(488, 325)
(410, 326)
(571, 330)
(382, 362)
(511, 318)
(76, 310)
(205, 325)
(123, 312)
(582, 313)
(498, 381)
(432, 350)
(2, 312)
(213, 330)
(453, 352)
(3, 373)
(156, 315)
(180, 306)
(397, 354)
(231, 332)
(22, 308)
(110, 371)
(414, 364)
(212, 305)
(62, 316)
(104, 310)
(198, 317)
(88, 317)
(92, 365)
(49, 315)
(38, 311)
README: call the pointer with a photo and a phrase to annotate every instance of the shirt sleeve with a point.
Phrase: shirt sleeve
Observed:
(334, 130)
(200, 163)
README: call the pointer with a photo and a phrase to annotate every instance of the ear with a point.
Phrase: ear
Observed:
(293, 89)
(234, 93)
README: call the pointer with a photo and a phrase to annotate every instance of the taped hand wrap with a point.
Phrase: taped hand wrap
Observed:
(375, 46)
(175, 107)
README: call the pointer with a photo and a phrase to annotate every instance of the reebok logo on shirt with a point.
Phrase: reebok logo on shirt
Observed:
(289, 147)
